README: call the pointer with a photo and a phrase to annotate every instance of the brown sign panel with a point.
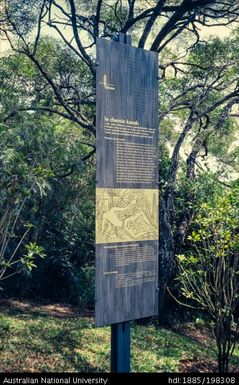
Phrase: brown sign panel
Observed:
(127, 190)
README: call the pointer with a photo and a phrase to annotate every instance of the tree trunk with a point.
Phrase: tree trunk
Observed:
(166, 252)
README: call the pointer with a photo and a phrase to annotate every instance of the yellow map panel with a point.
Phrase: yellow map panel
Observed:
(125, 215)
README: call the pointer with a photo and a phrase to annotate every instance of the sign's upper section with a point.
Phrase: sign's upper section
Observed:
(127, 116)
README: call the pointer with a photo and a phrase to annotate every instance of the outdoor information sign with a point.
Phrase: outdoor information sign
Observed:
(126, 176)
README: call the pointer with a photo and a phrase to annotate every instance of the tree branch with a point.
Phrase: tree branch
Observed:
(150, 22)
(74, 166)
(77, 37)
(58, 95)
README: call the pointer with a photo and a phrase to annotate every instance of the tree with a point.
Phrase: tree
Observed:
(201, 96)
(46, 186)
(78, 25)
(199, 100)
(18, 182)
(209, 273)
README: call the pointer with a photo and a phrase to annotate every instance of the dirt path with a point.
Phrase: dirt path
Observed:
(57, 310)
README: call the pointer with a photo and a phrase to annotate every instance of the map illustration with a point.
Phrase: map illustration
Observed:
(124, 215)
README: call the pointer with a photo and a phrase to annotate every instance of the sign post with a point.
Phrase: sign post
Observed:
(120, 347)
(126, 191)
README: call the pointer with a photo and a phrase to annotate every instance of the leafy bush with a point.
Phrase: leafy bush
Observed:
(209, 272)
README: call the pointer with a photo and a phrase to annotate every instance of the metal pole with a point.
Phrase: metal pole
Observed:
(120, 347)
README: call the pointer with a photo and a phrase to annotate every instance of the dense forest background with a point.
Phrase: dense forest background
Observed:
(47, 146)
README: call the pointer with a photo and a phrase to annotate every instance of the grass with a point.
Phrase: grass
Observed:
(35, 339)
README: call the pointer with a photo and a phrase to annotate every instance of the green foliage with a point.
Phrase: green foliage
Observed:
(37, 150)
(86, 286)
(215, 240)
(4, 325)
(33, 250)
(24, 13)
(209, 272)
